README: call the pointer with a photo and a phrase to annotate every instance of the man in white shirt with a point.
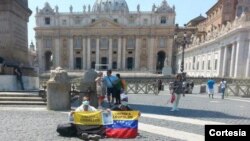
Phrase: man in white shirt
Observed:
(84, 107)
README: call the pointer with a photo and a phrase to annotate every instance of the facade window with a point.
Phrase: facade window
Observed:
(47, 42)
(114, 52)
(47, 21)
(209, 65)
(131, 43)
(116, 20)
(77, 42)
(93, 20)
(162, 42)
(197, 66)
(215, 64)
(78, 63)
(64, 22)
(203, 65)
(115, 43)
(93, 65)
(114, 65)
(145, 21)
(189, 66)
(104, 43)
(163, 20)
(194, 63)
(93, 43)
(77, 20)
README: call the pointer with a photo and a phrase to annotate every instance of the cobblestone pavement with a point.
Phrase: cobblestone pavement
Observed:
(37, 124)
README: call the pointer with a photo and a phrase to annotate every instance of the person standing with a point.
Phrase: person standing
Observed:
(178, 90)
(19, 74)
(210, 84)
(110, 82)
(100, 89)
(223, 85)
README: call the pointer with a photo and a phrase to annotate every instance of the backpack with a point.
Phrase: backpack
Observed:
(67, 130)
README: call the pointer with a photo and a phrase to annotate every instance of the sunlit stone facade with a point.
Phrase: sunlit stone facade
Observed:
(107, 33)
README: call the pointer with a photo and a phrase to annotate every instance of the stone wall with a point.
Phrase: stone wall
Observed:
(9, 83)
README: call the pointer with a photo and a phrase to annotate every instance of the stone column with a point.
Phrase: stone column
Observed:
(41, 55)
(110, 53)
(58, 87)
(119, 53)
(224, 69)
(71, 54)
(84, 62)
(88, 54)
(124, 53)
(88, 86)
(151, 54)
(57, 52)
(232, 63)
(97, 59)
(248, 62)
(239, 62)
(137, 53)
(221, 62)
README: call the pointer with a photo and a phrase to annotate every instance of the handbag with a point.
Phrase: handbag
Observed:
(172, 98)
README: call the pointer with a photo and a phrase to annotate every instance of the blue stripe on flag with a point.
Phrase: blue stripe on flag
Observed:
(124, 124)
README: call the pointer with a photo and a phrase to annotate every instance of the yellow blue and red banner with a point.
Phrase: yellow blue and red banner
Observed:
(125, 124)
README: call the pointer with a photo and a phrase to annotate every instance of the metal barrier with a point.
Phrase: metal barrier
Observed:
(149, 85)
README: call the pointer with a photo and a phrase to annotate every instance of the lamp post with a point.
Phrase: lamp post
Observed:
(182, 40)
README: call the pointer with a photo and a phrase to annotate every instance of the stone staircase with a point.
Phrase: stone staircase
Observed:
(21, 98)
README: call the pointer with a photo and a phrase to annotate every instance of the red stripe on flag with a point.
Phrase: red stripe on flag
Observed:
(121, 133)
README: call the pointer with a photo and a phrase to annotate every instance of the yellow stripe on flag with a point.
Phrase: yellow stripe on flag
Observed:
(125, 115)
(88, 118)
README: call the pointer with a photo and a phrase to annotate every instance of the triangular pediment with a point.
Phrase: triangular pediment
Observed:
(105, 23)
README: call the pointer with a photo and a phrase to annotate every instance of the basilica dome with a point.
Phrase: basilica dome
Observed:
(105, 6)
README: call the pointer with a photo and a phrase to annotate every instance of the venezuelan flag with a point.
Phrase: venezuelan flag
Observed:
(125, 125)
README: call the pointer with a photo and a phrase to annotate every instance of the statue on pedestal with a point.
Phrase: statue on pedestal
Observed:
(138, 8)
(167, 70)
(84, 8)
(71, 8)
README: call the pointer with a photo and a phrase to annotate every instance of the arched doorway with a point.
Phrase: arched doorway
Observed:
(130, 63)
(160, 60)
(48, 60)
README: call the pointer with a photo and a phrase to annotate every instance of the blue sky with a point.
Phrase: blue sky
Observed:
(185, 9)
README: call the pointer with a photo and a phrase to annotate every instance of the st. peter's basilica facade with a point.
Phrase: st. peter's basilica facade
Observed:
(107, 33)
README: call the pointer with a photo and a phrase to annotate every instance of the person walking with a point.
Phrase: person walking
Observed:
(177, 91)
(100, 89)
(223, 85)
(210, 84)
(110, 82)
(19, 74)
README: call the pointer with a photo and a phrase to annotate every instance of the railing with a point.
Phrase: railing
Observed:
(149, 85)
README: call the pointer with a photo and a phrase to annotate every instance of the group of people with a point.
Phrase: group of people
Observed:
(210, 89)
(110, 86)
(88, 132)
(177, 88)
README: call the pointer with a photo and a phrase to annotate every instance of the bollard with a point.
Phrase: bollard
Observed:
(88, 86)
(58, 88)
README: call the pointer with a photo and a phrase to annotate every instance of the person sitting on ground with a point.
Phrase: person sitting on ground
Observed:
(87, 132)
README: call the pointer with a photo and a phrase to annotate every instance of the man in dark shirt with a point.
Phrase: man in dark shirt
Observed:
(18, 73)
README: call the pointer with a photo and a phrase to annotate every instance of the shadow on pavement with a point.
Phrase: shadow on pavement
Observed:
(190, 113)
